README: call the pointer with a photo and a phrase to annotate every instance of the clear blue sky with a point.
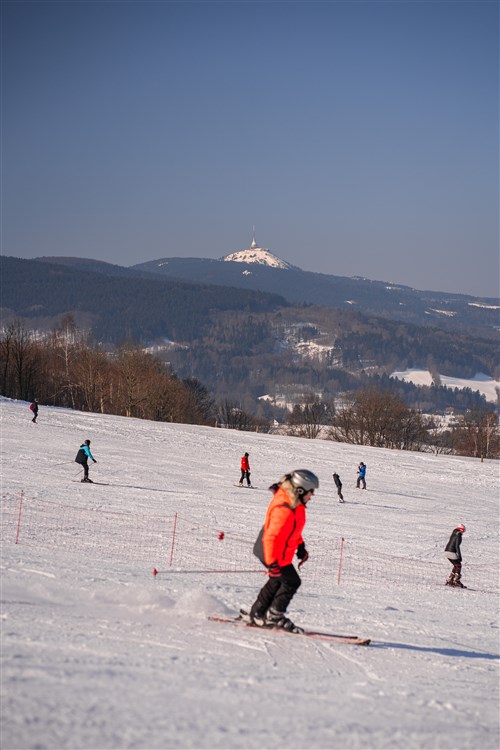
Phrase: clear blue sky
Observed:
(360, 138)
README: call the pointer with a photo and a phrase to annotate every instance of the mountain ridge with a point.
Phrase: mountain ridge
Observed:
(240, 342)
(460, 312)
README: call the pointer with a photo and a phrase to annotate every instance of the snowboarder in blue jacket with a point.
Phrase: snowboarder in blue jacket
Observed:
(82, 457)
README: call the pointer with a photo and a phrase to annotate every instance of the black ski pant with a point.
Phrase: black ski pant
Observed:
(245, 475)
(277, 592)
(85, 466)
(361, 480)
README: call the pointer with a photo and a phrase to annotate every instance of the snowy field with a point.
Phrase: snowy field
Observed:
(97, 652)
(487, 387)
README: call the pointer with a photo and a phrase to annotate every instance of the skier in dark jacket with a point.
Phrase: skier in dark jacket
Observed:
(34, 409)
(338, 484)
(82, 457)
(276, 545)
(454, 555)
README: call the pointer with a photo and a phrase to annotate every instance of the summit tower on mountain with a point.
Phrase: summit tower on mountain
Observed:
(259, 255)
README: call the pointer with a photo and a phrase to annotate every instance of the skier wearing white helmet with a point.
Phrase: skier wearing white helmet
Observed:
(277, 543)
(454, 555)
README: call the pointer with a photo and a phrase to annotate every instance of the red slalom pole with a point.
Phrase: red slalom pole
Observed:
(173, 540)
(19, 516)
(340, 559)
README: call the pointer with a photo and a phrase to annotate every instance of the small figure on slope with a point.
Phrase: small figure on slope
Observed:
(338, 484)
(280, 538)
(245, 470)
(454, 555)
(34, 410)
(361, 476)
(82, 457)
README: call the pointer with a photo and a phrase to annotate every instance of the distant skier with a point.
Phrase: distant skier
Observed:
(82, 457)
(34, 410)
(361, 476)
(454, 555)
(279, 539)
(245, 470)
(338, 484)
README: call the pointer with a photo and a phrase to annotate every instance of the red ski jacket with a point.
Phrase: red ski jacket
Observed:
(282, 529)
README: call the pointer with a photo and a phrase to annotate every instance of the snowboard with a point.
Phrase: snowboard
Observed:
(331, 637)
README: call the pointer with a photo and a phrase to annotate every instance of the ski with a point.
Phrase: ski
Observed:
(331, 637)
(247, 487)
(92, 481)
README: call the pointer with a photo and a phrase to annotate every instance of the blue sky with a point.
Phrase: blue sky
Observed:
(360, 138)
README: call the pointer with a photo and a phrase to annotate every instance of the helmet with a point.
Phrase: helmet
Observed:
(460, 527)
(247, 455)
(305, 480)
(87, 442)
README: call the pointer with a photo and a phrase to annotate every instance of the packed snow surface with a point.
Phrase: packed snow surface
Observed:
(100, 653)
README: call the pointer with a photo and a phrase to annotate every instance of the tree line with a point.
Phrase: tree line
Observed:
(68, 368)
(379, 418)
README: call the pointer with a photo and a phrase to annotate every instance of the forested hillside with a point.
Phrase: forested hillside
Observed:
(460, 313)
(242, 344)
(325, 351)
(117, 308)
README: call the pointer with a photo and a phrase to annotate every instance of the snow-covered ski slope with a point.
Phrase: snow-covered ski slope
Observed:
(98, 652)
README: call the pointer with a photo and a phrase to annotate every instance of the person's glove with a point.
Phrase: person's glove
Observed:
(94, 460)
(302, 554)
(274, 570)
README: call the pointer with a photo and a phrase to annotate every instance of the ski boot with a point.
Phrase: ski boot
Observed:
(280, 620)
(254, 618)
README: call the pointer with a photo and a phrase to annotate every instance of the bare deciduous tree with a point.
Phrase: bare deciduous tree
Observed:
(230, 416)
(378, 418)
(308, 420)
(478, 436)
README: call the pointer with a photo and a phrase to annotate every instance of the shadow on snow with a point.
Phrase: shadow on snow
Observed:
(434, 650)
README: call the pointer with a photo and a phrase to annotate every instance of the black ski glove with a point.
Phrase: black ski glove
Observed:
(302, 554)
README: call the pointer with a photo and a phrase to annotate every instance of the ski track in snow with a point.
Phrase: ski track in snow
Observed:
(99, 653)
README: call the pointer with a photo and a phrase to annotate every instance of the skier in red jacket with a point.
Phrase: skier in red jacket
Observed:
(245, 470)
(279, 540)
